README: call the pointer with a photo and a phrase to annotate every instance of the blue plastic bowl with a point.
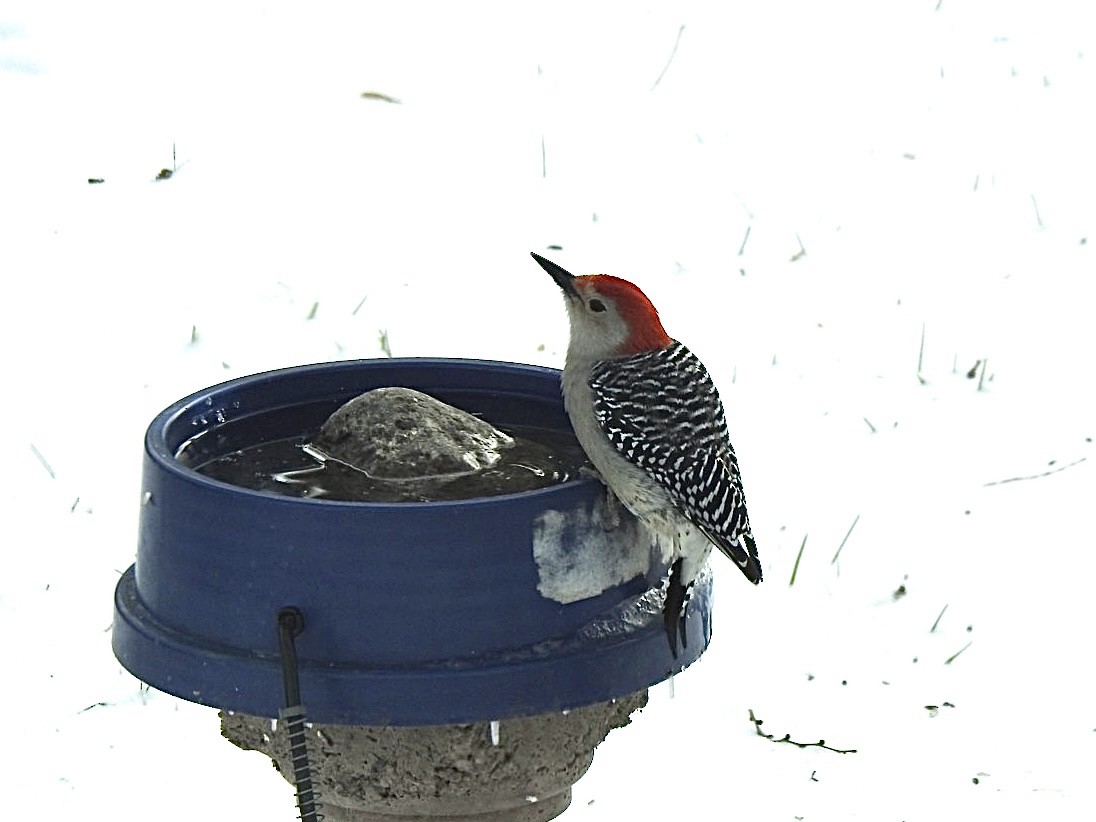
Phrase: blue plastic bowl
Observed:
(415, 613)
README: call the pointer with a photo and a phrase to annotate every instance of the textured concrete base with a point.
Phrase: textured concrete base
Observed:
(445, 772)
(540, 811)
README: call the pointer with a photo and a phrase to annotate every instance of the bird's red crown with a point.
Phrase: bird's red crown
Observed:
(633, 306)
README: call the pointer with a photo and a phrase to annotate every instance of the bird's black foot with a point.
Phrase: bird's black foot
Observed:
(673, 609)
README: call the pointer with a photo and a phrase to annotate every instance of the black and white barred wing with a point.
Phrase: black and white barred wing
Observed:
(720, 508)
(662, 412)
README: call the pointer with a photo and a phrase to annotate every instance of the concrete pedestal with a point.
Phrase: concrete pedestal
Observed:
(445, 772)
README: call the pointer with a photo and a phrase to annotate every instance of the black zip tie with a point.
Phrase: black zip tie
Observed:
(290, 625)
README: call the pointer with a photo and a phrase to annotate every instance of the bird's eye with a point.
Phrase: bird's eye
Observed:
(597, 305)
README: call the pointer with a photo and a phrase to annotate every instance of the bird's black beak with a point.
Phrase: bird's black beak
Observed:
(564, 278)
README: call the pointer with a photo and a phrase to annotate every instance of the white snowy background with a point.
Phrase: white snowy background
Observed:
(806, 190)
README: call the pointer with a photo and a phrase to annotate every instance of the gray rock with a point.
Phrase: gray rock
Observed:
(401, 434)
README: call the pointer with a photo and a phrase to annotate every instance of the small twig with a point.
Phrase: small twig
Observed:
(951, 658)
(665, 68)
(312, 311)
(846, 539)
(799, 556)
(1038, 217)
(921, 356)
(357, 308)
(742, 247)
(982, 376)
(802, 252)
(872, 427)
(940, 616)
(385, 347)
(168, 173)
(41, 459)
(821, 743)
(1036, 476)
(543, 159)
(384, 98)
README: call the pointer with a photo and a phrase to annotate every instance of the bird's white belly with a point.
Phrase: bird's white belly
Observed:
(639, 492)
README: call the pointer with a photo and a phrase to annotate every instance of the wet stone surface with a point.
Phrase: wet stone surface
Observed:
(400, 433)
(400, 445)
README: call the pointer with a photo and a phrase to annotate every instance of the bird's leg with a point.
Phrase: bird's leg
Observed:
(673, 608)
(612, 510)
(610, 519)
(684, 621)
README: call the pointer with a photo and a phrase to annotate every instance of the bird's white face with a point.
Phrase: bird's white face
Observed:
(610, 317)
(598, 330)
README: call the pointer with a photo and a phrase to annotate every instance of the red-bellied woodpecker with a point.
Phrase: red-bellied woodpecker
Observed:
(649, 418)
